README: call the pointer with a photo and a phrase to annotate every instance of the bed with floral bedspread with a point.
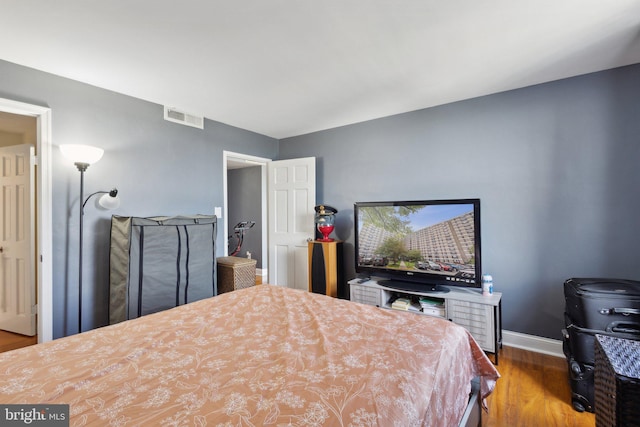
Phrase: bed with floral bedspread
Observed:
(265, 355)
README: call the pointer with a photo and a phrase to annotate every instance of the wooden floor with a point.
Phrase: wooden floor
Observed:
(533, 391)
(11, 341)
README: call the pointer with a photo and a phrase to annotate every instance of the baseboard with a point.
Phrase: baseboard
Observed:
(262, 272)
(533, 343)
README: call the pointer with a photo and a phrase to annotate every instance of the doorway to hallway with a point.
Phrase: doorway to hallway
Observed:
(245, 201)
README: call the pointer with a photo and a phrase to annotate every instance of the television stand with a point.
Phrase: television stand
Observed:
(480, 315)
(413, 287)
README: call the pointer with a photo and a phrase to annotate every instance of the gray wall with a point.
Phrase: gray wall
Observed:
(244, 187)
(556, 167)
(160, 168)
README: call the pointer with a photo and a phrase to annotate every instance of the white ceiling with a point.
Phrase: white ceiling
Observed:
(289, 67)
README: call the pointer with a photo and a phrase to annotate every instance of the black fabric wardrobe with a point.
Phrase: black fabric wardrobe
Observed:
(160, 262)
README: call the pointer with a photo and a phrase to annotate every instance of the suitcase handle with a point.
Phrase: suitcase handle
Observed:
(614, 329)
(624, 328)
(623, 311)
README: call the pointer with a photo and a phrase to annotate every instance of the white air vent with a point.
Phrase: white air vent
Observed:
(177, 116)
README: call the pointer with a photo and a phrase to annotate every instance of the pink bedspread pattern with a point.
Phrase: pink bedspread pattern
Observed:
(265, 355)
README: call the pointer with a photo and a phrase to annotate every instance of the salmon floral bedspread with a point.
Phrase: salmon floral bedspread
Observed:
(265, 355)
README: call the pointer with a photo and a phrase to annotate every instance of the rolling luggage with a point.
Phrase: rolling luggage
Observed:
(603, 304)
(595, 306)
(581, 380)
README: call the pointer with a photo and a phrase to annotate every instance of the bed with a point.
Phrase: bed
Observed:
(265, 355)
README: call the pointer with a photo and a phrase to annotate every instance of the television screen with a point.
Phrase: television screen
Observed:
(419, 245)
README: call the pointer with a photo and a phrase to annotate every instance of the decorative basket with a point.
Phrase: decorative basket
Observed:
(235, 273)
(617, 381)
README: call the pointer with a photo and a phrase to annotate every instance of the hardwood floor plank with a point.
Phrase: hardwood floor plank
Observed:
(534, 391)
(11, 341)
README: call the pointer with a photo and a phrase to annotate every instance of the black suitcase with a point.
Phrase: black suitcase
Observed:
(600, 306)
(579, 342)
(603, 304)
(582, 385)
(595, 306)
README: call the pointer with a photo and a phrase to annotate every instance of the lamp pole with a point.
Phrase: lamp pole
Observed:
(111, 205)
(82, 156)
(82, 167)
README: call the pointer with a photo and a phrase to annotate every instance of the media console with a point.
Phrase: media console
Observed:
(480, 315)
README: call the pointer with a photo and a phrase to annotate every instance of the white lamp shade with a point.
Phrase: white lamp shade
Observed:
(82, 153)
(108, 202)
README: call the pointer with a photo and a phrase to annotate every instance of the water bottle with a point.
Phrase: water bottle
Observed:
(487, 284)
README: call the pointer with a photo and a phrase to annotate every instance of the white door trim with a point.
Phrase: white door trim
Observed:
(44, 210)
(253, 161)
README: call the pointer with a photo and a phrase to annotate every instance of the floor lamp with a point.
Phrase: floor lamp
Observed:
(83, 156)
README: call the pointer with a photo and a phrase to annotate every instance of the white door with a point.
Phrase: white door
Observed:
(17, 253)
(291, 200)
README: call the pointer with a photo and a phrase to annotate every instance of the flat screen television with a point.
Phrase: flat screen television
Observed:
(419, 245)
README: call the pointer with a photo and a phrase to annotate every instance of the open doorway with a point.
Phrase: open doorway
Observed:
(245, 200)
(18, 140)
(42, 250)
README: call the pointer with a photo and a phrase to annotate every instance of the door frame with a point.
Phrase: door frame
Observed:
(44, 227)
(251, 161)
